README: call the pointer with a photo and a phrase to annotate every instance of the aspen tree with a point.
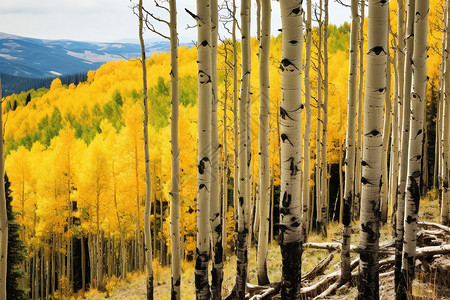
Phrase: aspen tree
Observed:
(371, 165)
(415, 154)
(235, 120)
(203, 19)
(445, 139)
(175, 157)
(324, 193)
(306, 204)
(290, 127)
(350, 146)
(214, 214)
(399, 225)
(318, 164)
(359, 144)
(244, 197)
(264, 161)
(148, 189)
(386, 134)
(3, 213)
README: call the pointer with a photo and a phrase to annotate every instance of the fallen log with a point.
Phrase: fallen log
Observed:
(319, 268)
(435, 225)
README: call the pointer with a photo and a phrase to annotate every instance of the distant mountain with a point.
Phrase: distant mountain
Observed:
(29, 57)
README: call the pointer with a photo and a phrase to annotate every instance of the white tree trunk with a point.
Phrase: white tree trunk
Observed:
(350, 146)
(307, 134)
(404, 140)
(357, 181)
(445, 139)
(175, 157)
(148, 184)
(264, 161)
(371, 165)
(415, 152)
(204, 148)
(3, 214)
(290, 127)
(214, 214)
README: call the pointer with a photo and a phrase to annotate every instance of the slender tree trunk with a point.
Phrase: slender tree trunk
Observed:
(264, 161)
(324, 188)
(415, 152)
(403, 158)
(175, 154)
(307, 134)
(204, 148)
(368, 286)
(3, 215)
(350, 147)
(445, 140)
(235, 122)
(357, 182)
(393, 170)
(214, 214)
(318, 164)
(290, 117)
(83, 265)
(225, 164)
(384, 194)
(148, 184)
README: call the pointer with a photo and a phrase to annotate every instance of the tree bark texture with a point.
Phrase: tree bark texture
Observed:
(290, 133)
(204, 148)
(264, 161)
(368, 286)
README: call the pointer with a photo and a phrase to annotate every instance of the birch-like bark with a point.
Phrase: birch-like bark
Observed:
(148, 184)
(350, 146)
(244, 197)
(235, 121)
(404, 141)
(290, 127)
(204, 148)
(215, 206)
(445, 138)
(175, 157)
(264, 161)
(3, 214)
(307, 133)
(324, 187)
(415, 152)
(384, 194)
(318, 165)
(393, 170)
(359, 144)
(368, 285)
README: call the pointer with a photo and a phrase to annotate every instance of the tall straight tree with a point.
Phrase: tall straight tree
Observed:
(307, 133)
(264, 162)
(175, 153)
(415, 151)
(350, 145)
(290, 129)
(203, 19)
(403, 158)
(148, 184)
(244, 197)
(445, 139)
(3, 213)
(214, 214)
(368, 285)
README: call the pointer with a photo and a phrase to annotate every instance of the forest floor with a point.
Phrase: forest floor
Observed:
(133, 287)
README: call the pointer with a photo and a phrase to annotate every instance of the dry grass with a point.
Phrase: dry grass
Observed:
(134, 286)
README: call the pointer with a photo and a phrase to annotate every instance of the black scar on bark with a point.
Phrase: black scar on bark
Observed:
(414, 190)
(346, 216)
(286, 199)
(286, 63)
(241, 201)
(201, 165)
(295, 224)
(204, 43)
(377, 50)
(284, 114)
(201, 74)
(371, 235)
(364, 181)
(284, 137)
(203, 186)
(364, 163)
(294, 169)
(293, 42)
(373, 133)
(295, 11)
(418, 133)
(150, 288)
(291, 270)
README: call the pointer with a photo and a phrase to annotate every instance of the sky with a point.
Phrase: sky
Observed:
(110, 20)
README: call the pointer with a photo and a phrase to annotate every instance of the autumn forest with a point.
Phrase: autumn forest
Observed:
(243, 167)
